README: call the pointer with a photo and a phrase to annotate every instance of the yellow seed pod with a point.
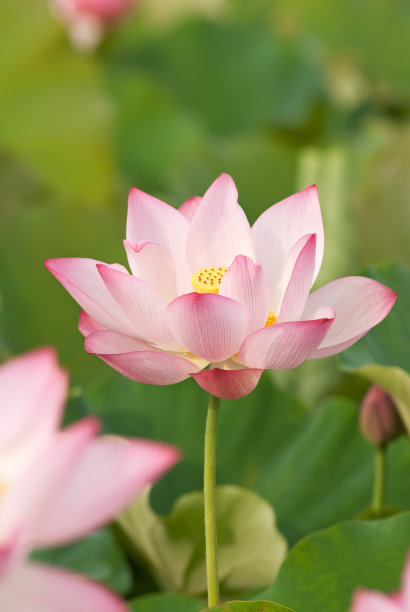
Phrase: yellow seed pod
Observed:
(208, 279)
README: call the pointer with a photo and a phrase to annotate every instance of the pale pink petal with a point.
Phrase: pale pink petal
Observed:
(105, 477)
(189, 208)
(31, 587)
(211, 326)
(87, 325)
(278, 229)
(245, 282)
(81, 279)
(370, 601)
(153, 264)
(141, 304)
(359, 303)
(33, 389)
(228, 384)
(300, 283)
(219, 230)
(283, 346)
(108, 342)
(153, 367)
(152, 220)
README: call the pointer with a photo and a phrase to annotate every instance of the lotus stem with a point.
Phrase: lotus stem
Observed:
(379, 481)
(209, 499)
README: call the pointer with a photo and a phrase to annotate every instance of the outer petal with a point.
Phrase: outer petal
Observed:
(219, 230)
(81, 279)
(142, 305)
(153, 264)
(152, 220)
(153, 367)
(360, 303)
(106, 476)
(369, 601)
(245, 282)
(283, 346)
(32, 587)
(189, 208)
(279, 228)
(87, 325)
(108, 342)
(209, 325)
(228, 384)
(300, 283)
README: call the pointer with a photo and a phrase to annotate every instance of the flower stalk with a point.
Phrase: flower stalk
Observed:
(379, 481)
(209, 501)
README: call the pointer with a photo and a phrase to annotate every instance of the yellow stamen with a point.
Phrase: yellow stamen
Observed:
(271, 320)
(208, 279)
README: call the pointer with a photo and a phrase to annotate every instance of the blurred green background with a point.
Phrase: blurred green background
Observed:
(279, 94)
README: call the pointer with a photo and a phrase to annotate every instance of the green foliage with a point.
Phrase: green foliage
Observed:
(166, 603)
(96, 556)
(251, 606)
(324, 569)
(250, 548)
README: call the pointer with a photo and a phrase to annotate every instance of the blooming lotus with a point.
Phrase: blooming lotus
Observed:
(206, 289)
(57, 486)
(372, 601)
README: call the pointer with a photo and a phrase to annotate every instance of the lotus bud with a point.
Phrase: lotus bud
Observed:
(380, 421)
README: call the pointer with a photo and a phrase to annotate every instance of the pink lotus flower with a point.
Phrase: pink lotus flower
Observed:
(58, 486)
(372, 601)
(87, 20)
(207, 289)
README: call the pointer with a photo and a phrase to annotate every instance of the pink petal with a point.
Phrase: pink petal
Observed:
(219, 230)
(81, 279)
(245, 282)
(189, 208)
(33, 389)
(406, 584)
(283, 346)
(276, 232)
(141, 304)
(105, 477)
(87, 325)
(300, 283)
(370, 601)
(152, 367)
(359, 303)
(153, 264)
(152, 220)
(211, 326)
(32, 587)
(107, 342)
(228, 384)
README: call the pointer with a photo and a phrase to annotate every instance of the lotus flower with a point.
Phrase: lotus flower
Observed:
(207, 289)
(87, 20)
(372, 601)
(58, 486)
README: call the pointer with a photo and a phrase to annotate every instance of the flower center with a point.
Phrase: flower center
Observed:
(271, 320)
(208, 279)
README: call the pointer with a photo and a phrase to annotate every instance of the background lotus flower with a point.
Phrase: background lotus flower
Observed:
(87, 20)
(250, 309)
(372, 601)
(57, 486)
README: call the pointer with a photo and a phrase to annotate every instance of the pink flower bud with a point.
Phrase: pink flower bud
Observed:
(380, 421)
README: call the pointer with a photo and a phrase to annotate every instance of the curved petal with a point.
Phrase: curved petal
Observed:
(32, 587)
(189, 207)
(359, 303)
(153, 367)
(245, 282)
(87, 325)
(211, 326)
(153, 264)
(155, 221)
(370, 601)
(278, 229)
(300, 283)
(142, 305)
(108, 342)
(219, 230)
(228, 384)
(283, 346)
(106, 476)
(81, 279)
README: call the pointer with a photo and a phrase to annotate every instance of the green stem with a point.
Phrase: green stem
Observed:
(209, 497)
(379, 479)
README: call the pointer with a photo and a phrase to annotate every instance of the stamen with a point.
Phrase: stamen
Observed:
(208, 279)
(271, 320)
